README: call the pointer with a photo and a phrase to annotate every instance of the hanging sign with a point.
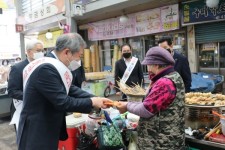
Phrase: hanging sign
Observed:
(41, 13)
(197, 12)
(141, 23)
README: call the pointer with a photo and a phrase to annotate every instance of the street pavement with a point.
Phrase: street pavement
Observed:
(8, 135)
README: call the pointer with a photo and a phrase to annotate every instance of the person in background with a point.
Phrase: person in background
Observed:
(136, 73)
(181, 62)
(4, 71)
(79, 75)
(5, 62)
(34, 50)
(161, 124)
(18, 59)
(48, 95)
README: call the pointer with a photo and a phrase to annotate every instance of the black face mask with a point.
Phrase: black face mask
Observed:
(169, 50)
(126, 55)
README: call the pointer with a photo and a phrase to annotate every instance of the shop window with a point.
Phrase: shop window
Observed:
(222, 54)
(107, 52)
(137, 47)
(208, 55)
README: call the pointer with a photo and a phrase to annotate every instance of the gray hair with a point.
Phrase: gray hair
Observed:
(32, 43)
(72, 41)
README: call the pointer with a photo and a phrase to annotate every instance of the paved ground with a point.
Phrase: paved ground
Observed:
(7, 135)
(7, 132)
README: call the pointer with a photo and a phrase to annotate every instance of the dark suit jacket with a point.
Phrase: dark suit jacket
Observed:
(42, 120)
(182, 67)
(78, 76)
(135, 77)
(15, 83)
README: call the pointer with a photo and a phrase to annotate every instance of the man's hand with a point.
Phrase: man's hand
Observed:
(99, 102)
(122, 107)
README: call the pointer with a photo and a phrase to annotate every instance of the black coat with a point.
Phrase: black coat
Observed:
(45, 103)
(78, 76)
(182, 67)
(135, 77)
(15, 83)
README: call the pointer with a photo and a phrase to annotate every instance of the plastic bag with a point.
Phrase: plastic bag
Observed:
(132, 145)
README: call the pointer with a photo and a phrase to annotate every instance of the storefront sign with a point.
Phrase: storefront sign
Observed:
(41, 13)
(51, 9)
(142, 23)
(197, 12)
(209, 46)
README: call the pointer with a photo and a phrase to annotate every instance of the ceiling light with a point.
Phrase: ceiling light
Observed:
(212, 3)
(48, 35)
(124, 19)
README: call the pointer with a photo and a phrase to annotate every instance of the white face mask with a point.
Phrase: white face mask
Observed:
(38, 55)
(74, 65)
(79, 62)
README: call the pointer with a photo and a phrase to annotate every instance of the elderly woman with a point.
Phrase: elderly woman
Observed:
(161, 125)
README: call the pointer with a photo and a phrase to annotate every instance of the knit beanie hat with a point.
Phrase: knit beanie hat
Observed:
(158, 56)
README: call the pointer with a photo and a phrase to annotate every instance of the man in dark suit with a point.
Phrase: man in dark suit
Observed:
(47, 98)
(79, 75)
(181, 62)
(15, 82)
(136, 77)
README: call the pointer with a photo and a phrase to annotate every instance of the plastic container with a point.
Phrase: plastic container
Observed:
(74, 126)
(223, 125)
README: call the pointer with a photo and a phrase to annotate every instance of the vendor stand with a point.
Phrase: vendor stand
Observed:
(200, 118)
(203, 144)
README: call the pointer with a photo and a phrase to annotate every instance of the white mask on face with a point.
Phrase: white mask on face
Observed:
(74, 65)
(79, 62)
(38, 55)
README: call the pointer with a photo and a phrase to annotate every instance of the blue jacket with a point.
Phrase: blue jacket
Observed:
(45, 103)
(182, 67)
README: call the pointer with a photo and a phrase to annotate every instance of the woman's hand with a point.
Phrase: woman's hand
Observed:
(122, 107)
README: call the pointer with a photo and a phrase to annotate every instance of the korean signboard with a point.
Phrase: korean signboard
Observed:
(141, 23)
(51, 9)
(197, 12)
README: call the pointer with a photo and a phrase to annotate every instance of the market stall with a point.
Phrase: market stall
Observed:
(204, 121)
(83, 129)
